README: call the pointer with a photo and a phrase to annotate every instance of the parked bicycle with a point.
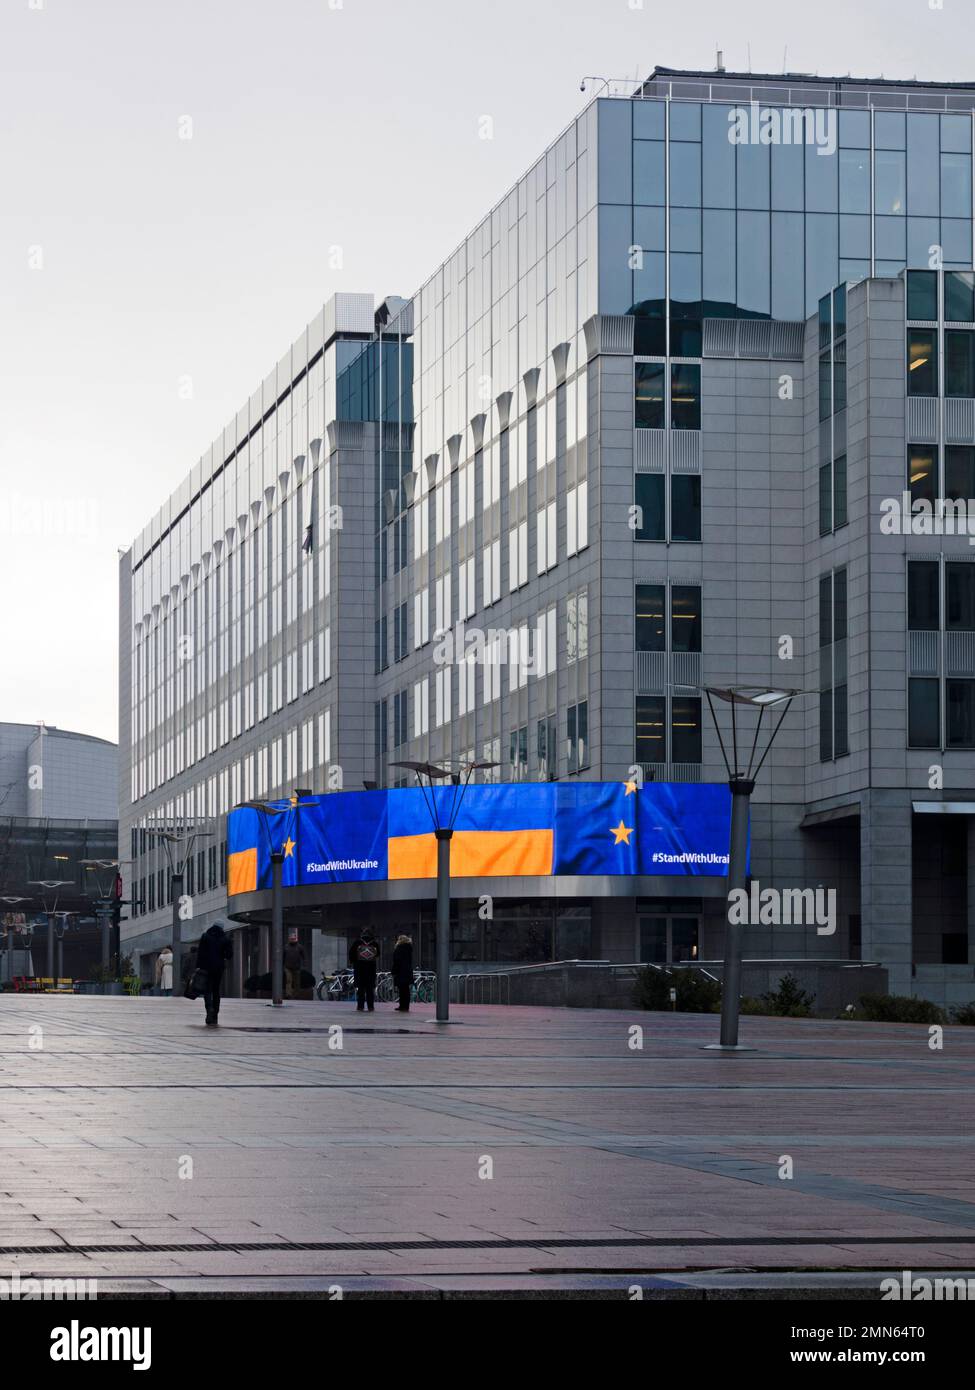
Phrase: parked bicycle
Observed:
(336, 987)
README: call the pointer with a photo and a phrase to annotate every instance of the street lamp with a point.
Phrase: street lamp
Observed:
(177, 860)
(277, 853)
(102, 904)
(742, 773)
(443, 829)
(50, 886)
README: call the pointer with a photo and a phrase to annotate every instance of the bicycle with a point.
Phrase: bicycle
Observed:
(336, 987)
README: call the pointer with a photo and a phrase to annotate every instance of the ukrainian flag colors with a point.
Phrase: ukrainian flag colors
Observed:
(501, 830)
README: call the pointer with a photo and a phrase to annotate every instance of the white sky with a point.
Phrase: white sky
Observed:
(313, 123)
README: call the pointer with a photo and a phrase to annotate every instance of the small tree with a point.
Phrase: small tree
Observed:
(789, 1001)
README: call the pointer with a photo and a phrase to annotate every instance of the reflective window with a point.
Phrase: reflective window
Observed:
(922, 294)
(685, 618)
(855, 238)
(923, 146)
(648, 172)
(923, 721)
(922, 362)
(821, 180)
(718, 158)
(648, 120)
(822, 256)
(922, 473)
(788, 297)
(960, 711)
(651, 730)
(650, 405)
(956, 133)
(825, 499)
(956, 241)
(960, 471)
(685, 507)
(753, 262)
(685, 397)
(890, 131)
(685, 176)
(923, 239)
(685, 729)
(960, 597)
(855, 129)
(956, 185)
(959, 362)
(649, 495)
(854, 181)
(753, 176)
(788, 181)
(685, 121)
(923, 606)
(891, 238)
(959, 296)
(650, 633)
(890, 182)
(718, 278)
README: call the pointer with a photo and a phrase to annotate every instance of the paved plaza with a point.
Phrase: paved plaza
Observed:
(515, 1147)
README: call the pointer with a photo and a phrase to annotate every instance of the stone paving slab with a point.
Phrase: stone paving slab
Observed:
(138, 1145)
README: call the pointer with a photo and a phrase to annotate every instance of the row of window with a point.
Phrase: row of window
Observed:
(658, 387)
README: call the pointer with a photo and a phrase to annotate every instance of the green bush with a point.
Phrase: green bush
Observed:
(899, 1008)
(749, 1005)
(964, 1013)
(789, 1001)
(652, 989)
(696, 994)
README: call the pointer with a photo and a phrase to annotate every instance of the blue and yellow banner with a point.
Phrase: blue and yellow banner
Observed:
(507, 829)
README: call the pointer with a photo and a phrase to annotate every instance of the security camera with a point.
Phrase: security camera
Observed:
(582, 85)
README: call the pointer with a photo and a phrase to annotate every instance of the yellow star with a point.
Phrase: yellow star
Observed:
(631, 787)
(622, 833)
(288, 847)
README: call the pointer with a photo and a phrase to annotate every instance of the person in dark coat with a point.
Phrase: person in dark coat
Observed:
(403, 971)
(364, 957)
(213, 953)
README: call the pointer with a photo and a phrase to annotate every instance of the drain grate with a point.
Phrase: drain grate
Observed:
(324, 1031)
(560, 1243)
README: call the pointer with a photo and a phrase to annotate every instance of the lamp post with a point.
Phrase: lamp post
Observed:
(177, 858)
(50, 886)
(11, 901)
(742, 773)
(277, 853)
(443, 829)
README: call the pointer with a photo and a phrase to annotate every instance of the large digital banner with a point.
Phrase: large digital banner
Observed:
(521, 828)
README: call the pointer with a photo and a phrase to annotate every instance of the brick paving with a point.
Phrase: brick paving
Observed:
(365, 1162)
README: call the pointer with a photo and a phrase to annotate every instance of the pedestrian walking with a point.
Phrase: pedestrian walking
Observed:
(403, 971)
(294, 959)
(164, 970)
(364, 957)
(214, 952)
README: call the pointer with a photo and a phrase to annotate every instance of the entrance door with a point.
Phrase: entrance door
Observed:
(668, 937)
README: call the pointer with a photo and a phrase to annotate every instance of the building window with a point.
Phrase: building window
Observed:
(518, 753)
(923, 718)
(833, 731)
(685, 396)
(832, 495)
(922, 362)
(960, 712)
(685, 507)
(651, 507)
(650, 402)
(685, 618)
(651, 633)
(547, 747)
(923, 599)
(959, 296)
(922, 295)
(959, 363)
(577, 727)
(651, 729)
(400, 640)
(400, 726)
(685, 729)
(922, 473)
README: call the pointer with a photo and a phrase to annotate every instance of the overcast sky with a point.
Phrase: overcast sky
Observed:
(137, 266)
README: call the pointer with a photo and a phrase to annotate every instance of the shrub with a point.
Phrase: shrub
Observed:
(789, 1001)
(696, 993)
(964, 1013)
(652, 988)
(899, 1008)
(749, 1005)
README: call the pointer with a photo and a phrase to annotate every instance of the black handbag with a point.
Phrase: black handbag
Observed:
(196, 985)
